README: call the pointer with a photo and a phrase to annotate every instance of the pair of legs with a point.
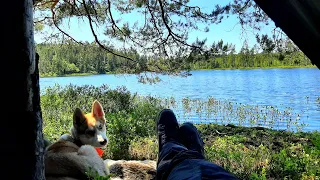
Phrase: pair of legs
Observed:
(181, 152)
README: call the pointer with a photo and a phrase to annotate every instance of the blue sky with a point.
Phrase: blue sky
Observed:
(228, 30)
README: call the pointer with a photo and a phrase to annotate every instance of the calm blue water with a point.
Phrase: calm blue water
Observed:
(276, 87)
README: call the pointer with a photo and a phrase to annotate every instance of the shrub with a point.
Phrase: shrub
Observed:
(125, 126)
(295, 163)
(237, 158)
(144, 148)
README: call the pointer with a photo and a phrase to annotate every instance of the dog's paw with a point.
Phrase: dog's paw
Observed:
(87, 150)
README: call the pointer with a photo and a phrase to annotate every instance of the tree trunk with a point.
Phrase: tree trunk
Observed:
(21, 121)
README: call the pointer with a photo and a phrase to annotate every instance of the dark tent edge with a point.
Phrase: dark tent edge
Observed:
(299, 20)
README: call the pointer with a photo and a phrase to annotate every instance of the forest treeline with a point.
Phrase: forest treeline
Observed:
(73, 58)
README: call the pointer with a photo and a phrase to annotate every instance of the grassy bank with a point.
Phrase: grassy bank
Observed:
(66, 75)
(251, 68)
(248, 152)
(252, 153)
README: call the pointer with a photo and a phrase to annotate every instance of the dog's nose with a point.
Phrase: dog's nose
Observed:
(104, 142)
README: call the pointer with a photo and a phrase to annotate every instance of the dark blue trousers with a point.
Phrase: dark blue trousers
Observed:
(176, 162)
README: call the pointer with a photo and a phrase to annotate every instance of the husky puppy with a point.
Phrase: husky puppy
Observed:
(74, 156)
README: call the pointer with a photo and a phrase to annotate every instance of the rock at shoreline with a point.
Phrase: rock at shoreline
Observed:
(122, 169)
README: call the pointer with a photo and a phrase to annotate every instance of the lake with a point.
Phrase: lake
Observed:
(298, 88)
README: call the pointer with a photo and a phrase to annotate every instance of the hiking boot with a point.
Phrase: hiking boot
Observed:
(167, 127)
(190, 137)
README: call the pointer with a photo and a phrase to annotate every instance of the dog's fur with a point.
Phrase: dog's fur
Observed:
(73, 156)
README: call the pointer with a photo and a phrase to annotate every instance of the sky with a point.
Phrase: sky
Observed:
(228, 30)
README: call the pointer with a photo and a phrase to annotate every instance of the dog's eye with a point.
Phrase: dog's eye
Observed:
(90, 132)
(100, 127)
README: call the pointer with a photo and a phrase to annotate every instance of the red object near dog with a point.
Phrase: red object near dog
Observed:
(99, 151)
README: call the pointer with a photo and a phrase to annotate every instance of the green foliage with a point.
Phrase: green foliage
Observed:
(92, 175)
(295, 162)
(71, 58)
(127, 124)
(38, 27)
(162, 31)
(236, 157)
(247, 60)
(255, 153)
(222, 55)
(315, 139)
(143, 148)
(266, 43)
(120, 132)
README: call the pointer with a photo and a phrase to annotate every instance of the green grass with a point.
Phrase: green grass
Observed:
(91, 175)
(248, 152)
(261, 153)
(253, 153)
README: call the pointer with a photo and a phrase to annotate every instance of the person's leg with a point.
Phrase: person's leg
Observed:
(175, 160)
(190, 137)
(168, 139)
(167, 128)
(191, 164)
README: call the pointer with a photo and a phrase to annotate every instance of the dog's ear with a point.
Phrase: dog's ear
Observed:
(97, 109)
(78, 117)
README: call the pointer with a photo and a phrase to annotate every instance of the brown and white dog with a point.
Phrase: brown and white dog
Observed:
(73, 156)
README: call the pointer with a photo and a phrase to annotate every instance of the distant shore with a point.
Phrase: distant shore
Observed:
(66, 75)
(244, 68)
(251, 68)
